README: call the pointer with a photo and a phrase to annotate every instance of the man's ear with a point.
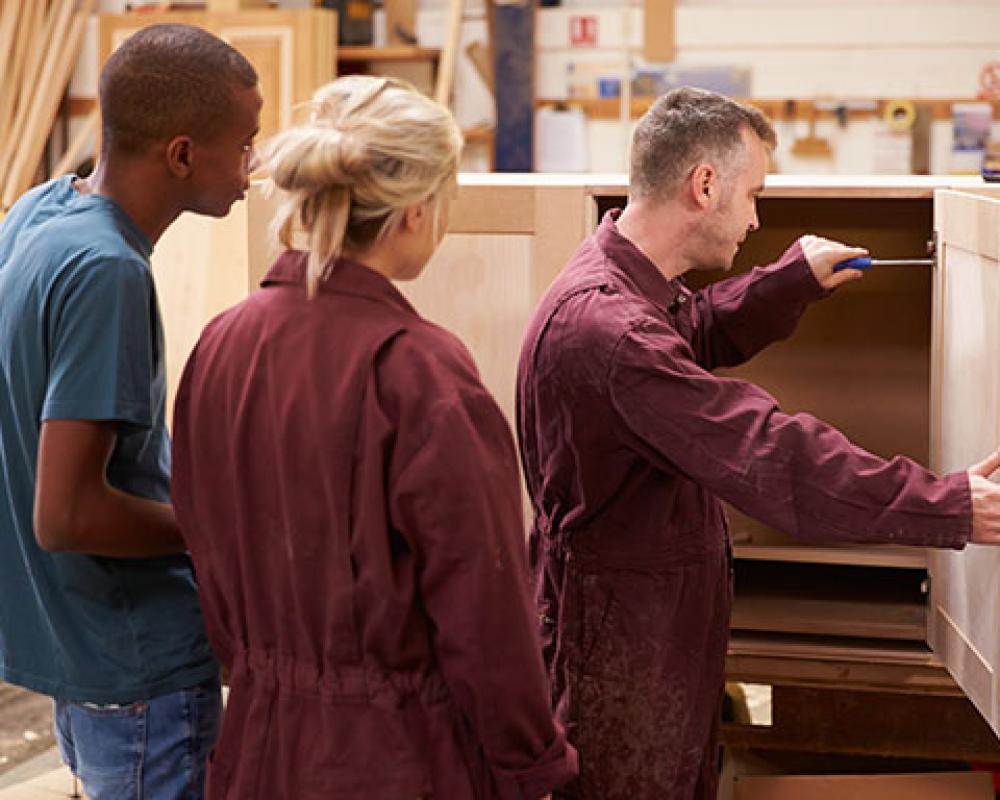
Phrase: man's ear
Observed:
(180, 156)
(703, 184)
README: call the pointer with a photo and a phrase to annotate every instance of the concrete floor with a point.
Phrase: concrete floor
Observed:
(43, 777)
(25, 725)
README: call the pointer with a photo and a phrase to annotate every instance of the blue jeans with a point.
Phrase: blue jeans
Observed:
(152, 750)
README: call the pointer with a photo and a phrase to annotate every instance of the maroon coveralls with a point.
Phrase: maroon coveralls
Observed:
(629, 444)
(350, 496)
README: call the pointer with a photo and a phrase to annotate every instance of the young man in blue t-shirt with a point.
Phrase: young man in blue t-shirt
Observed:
(98, 606)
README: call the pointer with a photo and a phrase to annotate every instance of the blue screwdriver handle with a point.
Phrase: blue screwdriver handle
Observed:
(864, 262)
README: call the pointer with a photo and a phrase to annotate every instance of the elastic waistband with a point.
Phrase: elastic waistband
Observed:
(342, 683)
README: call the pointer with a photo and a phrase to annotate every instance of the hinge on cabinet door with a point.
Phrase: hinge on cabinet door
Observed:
(932, 244)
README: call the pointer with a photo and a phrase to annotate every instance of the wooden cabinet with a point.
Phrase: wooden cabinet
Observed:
(965, 586)
(293, 51)
(900, 361)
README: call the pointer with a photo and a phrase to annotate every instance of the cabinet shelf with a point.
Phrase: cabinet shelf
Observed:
(878, 556)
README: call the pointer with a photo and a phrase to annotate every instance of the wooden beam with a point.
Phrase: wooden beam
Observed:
(66, 36)
(449, 54)
(74, 151)
(401, 22)
(658, 43)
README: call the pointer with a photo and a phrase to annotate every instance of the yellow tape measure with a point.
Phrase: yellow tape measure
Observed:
(899, 115)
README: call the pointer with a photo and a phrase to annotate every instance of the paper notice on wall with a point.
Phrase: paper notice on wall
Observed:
(970, 128)
(893, 152)
(560, 140)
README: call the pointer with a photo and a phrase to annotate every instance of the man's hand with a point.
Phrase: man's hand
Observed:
(823, 254)
(985, 501)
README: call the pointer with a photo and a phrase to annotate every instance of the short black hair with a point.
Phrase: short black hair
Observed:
(167, 80)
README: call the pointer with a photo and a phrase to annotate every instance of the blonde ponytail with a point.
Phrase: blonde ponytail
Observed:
(372, 148)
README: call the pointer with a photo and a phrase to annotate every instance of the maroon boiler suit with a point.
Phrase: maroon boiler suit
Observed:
(629, 445)
(349, 493)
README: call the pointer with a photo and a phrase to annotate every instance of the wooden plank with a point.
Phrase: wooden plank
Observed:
(222, 6)
(65, 37)
(400, 22)
(9, 17)
(480, 209)
(882, 603)
(392, 53)
(561, 225)
(12, 97)
(914, 786)
(449, 54)
(811, 661)
(886, 556)
(658, 43)
(970, 221)
(480, 287)
(869, 723)
(75, 149)
(779, 613)
(200, 266)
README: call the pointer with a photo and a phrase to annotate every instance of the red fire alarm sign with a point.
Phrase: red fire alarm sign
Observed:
(583, 31)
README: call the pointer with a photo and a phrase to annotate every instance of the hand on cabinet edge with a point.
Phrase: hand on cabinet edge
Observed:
(985, 501)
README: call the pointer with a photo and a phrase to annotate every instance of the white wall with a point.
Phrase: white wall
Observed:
(797, 49)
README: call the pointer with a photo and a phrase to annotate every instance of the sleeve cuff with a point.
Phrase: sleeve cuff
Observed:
(957, 535)
(797, 277)
(556, 767)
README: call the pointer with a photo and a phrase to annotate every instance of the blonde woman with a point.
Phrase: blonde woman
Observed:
(349, 493)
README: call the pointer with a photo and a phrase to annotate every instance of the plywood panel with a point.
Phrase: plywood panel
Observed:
(200, 268)
(481, 289)
(965, 600)
(269, 50)
(292, 51)
(923, 786)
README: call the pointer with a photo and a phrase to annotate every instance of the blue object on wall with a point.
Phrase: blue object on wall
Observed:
(514, 47)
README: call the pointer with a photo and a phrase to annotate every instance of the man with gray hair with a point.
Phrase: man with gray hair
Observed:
(630, 444)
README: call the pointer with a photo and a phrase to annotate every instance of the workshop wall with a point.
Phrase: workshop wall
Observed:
(840, 51)
(793, 49)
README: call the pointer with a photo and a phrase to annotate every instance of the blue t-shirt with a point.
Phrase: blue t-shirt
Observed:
(80, 338)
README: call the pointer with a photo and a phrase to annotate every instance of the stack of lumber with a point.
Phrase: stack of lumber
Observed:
(39, 45)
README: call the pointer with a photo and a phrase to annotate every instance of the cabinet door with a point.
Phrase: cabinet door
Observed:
(964, 618)
(292, 51)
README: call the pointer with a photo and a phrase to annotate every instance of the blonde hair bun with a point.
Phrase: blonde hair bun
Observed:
(312, 158)
(373, 147)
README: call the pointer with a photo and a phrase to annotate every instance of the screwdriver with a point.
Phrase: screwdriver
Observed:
(865, 262)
